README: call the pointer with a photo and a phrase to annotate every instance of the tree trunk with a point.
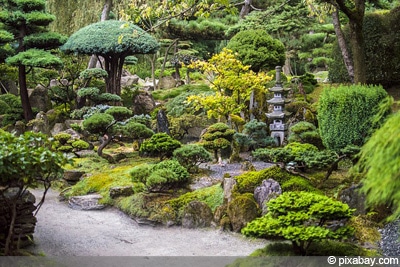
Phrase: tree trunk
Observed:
(342, 44)
(245, 8)
(23, 91)
(104, 142)
(165, 61)
(105, 14)
(357, 41)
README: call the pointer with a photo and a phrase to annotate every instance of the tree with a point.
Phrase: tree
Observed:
(106, 124)
(26, 161)
(302, 218)
(217, 137)
(27, 21)
(380, 163)
(191, 155)
(254, 135)
(122, 39)
(257, 49)
(232, 83)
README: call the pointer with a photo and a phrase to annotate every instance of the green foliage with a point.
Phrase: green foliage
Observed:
(190, 156)
(345, 114)
(93, 73)
(290, 152)
(258, 49)
(247, 182)
(162, 176)
(305, 132)
(62, 138)
(217, 136)
(299, 184)
(35, 58)
(4, 107)
(98, 123)
(119, 113)
(379, 162)
(27, 158)
(179, 127)
(122, 38)
(161, 145)
(15, 110)
(44, 40)
(254, 135)
(302, 218)
(382, 50)
(80, 145)
(137, 130)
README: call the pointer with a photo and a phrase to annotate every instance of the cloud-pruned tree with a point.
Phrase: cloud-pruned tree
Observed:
(114, 41)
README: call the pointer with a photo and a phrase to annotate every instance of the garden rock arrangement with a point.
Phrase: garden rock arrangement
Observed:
(25, 221)
(390, 244)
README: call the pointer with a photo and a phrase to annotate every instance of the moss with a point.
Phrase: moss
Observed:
(247, 182)
(365, 229)
(241, 210)
(212, 196)
(299, 184)
(275, 249)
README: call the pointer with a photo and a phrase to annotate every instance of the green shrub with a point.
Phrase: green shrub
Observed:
(4, 107)
(346, 113)
(162, 176)
(302, 218)
(254, 135)
(247, 182)
(80, 145)
(62, 138)
(65, 148)
(190, 156)
(98, 122)
(161, 145)
(15, 111)
(298, 184)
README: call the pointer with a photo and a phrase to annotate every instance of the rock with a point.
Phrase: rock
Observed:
(129, 80)
(269, 189)
(25, 222)
(162, 122)
(58, 128)
(41, 123)
(40, 99)
(121, 191)
(72, 176)
(354, 199)
(167, 82)
(229, 183)
(241, 210)
(87, 202)
(247, 166)
(196, 214)
(143, 103)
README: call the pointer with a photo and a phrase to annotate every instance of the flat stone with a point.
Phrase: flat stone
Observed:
(87, 202)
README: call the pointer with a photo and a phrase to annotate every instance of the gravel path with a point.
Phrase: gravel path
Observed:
(62, 231)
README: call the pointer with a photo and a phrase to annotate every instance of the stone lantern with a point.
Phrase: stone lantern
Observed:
(278, 126)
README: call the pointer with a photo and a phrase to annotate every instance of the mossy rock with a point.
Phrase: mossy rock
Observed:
(247, 182)
(299, 184)
(241, 210)
(197, 214)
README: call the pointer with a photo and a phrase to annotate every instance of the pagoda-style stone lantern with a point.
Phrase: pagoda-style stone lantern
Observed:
(278, 127)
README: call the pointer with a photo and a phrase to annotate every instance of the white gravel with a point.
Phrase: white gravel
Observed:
(62, 231)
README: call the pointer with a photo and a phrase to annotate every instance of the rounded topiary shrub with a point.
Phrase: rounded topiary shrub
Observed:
(190, 156)
(80, 145)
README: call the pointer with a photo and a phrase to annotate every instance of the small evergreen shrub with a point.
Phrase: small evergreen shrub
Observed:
(80, 145)
(62, 138)
(190, 156)
(161, 145)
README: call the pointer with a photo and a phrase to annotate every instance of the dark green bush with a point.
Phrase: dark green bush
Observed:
(98, 122)
(15, 111)
(345, 114)
(161, 145)
(190, 156)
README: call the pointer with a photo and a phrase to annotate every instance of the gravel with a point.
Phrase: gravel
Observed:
(390, 244)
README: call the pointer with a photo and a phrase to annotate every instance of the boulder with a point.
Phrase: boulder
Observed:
(58, 128)
(197, 214)
(352, 197)
(72, 176)
(87, 202)
(40, 99)
(167, 82)
(41, 123)
(129, 80)
(228, 185)
(143, 103)
(121, 191)
(269, 189)
(242, 210)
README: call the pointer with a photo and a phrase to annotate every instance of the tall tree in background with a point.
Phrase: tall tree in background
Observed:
(27, 20)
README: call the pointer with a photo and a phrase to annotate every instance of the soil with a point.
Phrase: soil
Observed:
(62, 231)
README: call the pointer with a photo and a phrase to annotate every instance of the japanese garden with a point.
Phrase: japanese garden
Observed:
(273, 126)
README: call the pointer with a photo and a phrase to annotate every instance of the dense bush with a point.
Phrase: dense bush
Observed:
(161, 145)
(190, 156)
(305, 132)
(13, 110)
(302, 218)
(258, 49)
(255, 135)
(345, 114)
(217, 136)
(291, 152)
(162, 176)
